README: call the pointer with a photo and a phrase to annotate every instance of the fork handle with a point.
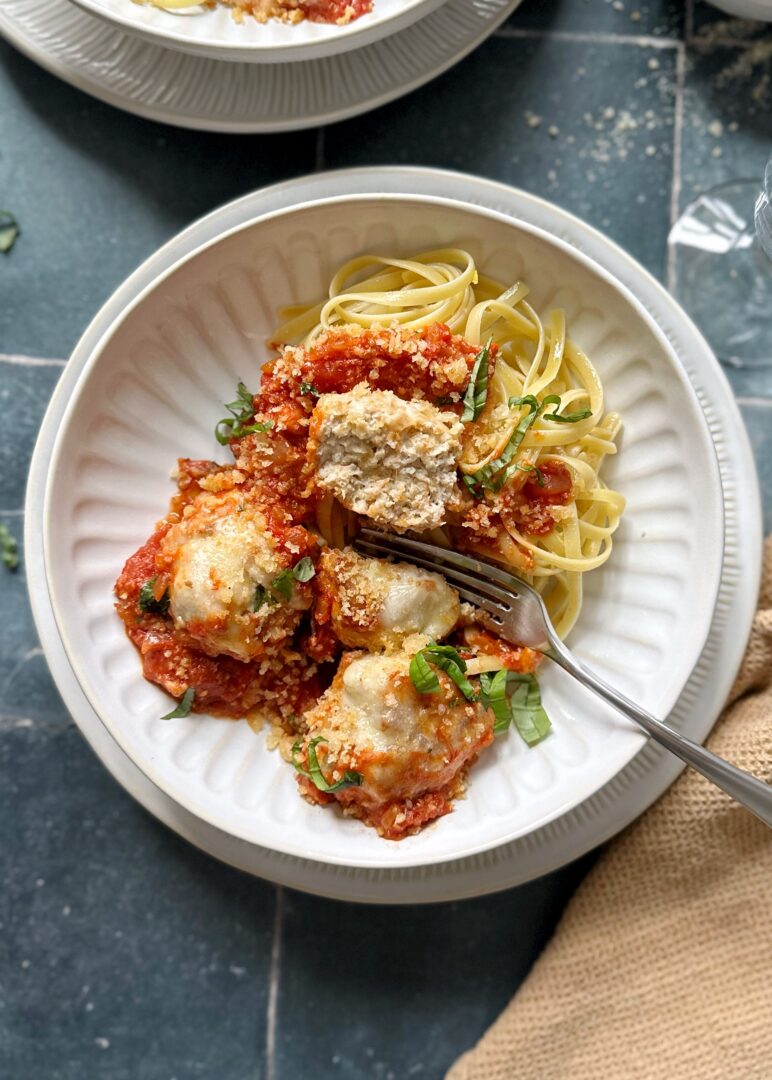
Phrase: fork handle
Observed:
(754, 794)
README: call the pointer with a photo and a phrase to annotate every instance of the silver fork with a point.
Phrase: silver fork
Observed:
(518, 613)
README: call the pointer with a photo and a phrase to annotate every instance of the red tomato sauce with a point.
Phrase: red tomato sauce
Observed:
(224, 686)
(335, 11)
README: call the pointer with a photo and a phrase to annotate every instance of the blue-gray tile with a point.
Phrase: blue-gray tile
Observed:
(396, 993)
(96, 191)
(727, 116)
(757, 414)
(26, 688)
(27, 691)
(126, 954)
(661, 18)
(596, 137)
(25, 390)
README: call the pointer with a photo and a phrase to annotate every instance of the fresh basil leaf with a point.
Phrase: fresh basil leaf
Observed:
(433, 649)
(236, 425)
(477, 391)
(303, 570)
(421, 675)
(456, 673)
(9, 231)
(309, 388)
(569, 418)
(447, 659)
(184, 705)
(472, 485)
(261, 598)
(233, 429)
(314, 771)
(536, 471)
(282, 584)
(9, 548)
(493, 694)
(147, 599)
(486, 477)
(528, 714)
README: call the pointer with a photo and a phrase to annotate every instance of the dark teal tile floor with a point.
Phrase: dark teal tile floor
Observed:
(125, 954)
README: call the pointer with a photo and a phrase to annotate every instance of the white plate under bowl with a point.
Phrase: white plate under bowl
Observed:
(152, 390)
(213, 95)
(216, 34)
(649, 773)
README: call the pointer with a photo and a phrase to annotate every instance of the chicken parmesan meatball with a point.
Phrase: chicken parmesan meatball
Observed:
(373, 604)
(392, 461)
(231, 586)
(409, 750)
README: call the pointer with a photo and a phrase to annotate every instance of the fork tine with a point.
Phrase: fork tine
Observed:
(476, 600)
(473, 584)
(403, 545)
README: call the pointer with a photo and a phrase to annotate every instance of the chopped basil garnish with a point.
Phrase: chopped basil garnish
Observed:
(236, 425)
(493, 694)
(9, 231)
(423, 678)
(477, 391)
(9, 548)
(309, 388)
(262, 597)
(184, 705)
(536, 471)
(303, 570)
(527, 710)
(569, 418)
(314, 770)
(147, 599)
(447, 659)
(495, 474)
(282, 584)
(524, 706)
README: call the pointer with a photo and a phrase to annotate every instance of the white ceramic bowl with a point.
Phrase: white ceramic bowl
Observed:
(152, 390)
(760, 10)
(216, 34)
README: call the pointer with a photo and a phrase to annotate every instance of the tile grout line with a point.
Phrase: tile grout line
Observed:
(29, 361)
(319, 150)
(589, 37)
(675, 189)
(271, 1015)
(757, 400)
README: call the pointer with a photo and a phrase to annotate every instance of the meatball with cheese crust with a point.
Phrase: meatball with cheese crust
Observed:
(231, 588)
(390, 460)
(409, 749)
(373, 604)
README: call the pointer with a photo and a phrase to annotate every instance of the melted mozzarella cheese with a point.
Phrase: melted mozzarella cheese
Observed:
(378, 605)
(219, 554)
(384, 708)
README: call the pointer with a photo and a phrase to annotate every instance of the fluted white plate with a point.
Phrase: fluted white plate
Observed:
(215, 33)
(650, 772)
(215, 95)
(152, 390)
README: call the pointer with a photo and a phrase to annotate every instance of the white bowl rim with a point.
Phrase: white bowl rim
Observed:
(221, 822)
(365, 30)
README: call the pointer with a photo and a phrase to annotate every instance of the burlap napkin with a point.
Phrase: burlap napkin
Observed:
(661, 968)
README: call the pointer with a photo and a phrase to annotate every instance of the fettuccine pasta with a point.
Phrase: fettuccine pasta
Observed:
(535, 359)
